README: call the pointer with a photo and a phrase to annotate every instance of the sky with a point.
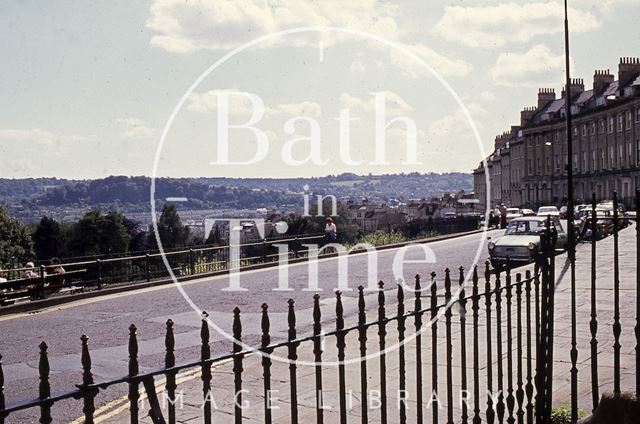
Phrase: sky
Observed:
(88, 88)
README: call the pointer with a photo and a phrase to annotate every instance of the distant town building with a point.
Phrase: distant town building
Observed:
(528, 165)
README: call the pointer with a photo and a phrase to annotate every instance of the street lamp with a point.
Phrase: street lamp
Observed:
(571, 248)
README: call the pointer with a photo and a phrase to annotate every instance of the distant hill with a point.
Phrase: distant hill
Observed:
(131, 194)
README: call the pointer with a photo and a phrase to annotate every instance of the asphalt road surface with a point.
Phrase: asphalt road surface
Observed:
(106, 319)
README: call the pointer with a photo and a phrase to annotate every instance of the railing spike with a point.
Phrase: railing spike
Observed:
(133, 395)
(362, 338)
(170, 362)
(237, 364)
(292, 357)
(44, 387)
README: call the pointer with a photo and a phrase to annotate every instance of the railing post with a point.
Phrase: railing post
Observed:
(192, 262)
(510, 392)
(490, 412)
(544, 358)
(293, 357)
(44, 387)
(317, 357)
(205, 356)
(449, 345)
(147, 266)
(237, 365)
(519, 382)
(402, 388)
(637, 329)
(89, 393)
(340, 344)
(593, 323)
(475, 306)
(99, 271)
(170, 362)
(434, 346)
(529, 385)
(418, 324)
(500, 407)
(462, 304)
(266, 362)
(43, 281)
(382, 333)
(617, 329)
(362, 338)
(134, 395)
(2, 401)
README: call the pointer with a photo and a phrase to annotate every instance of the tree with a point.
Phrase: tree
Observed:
(170, 229)
(138, 236)
(16, 246)
(49, 239)
(98, 234)
(214, 236)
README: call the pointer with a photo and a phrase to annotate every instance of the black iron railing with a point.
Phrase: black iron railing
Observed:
(517, 401)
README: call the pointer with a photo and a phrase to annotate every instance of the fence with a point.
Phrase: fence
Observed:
(512, 341)
(100, 272)
(510, 308)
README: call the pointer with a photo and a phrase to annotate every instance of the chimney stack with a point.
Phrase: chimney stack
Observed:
(601, 80)
(628, 70)
(526, 116)
(545, 96)
(577, 88)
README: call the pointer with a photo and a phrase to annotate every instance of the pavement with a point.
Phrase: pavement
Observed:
(190, 387)
(106, 320)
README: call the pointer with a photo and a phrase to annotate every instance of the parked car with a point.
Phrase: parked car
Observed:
(604, 222)
(563, 212)
(513, 213)
(548, 211)
(527, 212)
(521, 241)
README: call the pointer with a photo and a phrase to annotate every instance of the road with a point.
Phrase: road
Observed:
(106, 319)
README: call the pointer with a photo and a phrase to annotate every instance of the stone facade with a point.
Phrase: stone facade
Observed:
(529, 162)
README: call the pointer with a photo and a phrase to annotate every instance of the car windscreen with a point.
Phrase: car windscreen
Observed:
(525, 227)
(545, 210)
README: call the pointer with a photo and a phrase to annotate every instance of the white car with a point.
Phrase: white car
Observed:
(521, 241)
(548, 211)
(513, 213)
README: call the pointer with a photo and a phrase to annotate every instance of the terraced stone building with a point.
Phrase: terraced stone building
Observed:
(529, 162)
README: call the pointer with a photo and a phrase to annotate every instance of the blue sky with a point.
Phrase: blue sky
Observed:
(87, 87)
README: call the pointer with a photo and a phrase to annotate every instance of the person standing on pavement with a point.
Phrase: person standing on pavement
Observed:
(503, 216)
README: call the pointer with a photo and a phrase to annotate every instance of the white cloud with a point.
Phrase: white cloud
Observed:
(183, 27)
(305, 108)
(538, 67)
(394, 105)
(135, 128)
(456, 122)
(498, 25)
(444, 65)
(241, 105)
(36, 135)
(487, 95)
(357, 66)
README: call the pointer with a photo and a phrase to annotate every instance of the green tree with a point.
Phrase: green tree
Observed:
(16, 246)
(170, 229)
(98, 234)
(214, 236)
(49, 239)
